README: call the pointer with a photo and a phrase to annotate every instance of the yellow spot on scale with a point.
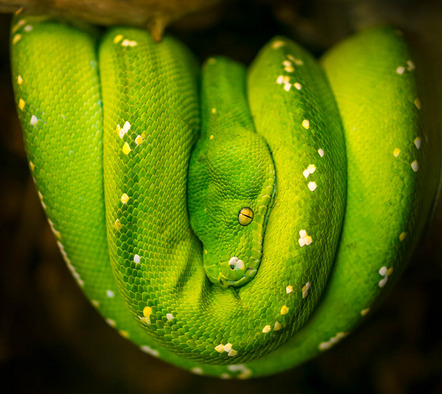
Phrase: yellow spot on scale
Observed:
(232, 353)
(278, 44)
(277, 326)
(139, 140)
(21, 104)
(417, 103)
(365, 311)
(297, 85)
(118, 38)
(410, 65)
(123, 333)
(306, 124)
(284, 310)
(124, 198)
(219, 348)
(147, 311)
(287, 87)
(20, 23)
(396, 152)
(213, 110)
(389, 271)
(16, 38)
(266, 329)
(289, 69)
(19, 80)
(289, 289)
(31, 166)
(305, 289)
(117, 224)
(95, 303)
(126, 148)
(211, 137)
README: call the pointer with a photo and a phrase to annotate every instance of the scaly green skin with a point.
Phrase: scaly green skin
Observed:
(109, 136)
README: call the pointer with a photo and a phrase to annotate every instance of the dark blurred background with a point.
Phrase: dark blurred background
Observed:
(53, 341)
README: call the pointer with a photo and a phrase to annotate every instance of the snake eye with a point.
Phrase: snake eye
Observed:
(245, 216)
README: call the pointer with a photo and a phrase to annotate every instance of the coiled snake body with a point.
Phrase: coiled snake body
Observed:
(234, 224)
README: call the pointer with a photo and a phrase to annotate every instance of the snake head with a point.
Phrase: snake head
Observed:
(230, 191)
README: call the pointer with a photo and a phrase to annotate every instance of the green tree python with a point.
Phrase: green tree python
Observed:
(232, 221)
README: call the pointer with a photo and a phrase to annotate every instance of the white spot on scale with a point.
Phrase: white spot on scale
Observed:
(417, 142)
(129, 43)
(137, 259)
(27, 28)
(305, 289)
(236, 264)
(332, 341)
(111, 322)
(321, 152)
(297, 85)
(309, 170)
(312, 186)
(410, 65)
(34, 120)
(169, 316)
(197, 371)
(400, 70)
(110, 294)
(304, 238)
(415, 166)
(244, 371)
(149, 350)
(385, 273)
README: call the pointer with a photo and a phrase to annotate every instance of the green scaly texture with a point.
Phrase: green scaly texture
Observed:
(335, 164)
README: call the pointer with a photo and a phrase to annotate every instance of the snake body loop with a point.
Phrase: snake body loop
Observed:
(233, 221)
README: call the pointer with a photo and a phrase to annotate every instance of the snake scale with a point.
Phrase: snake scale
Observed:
(232, 221)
